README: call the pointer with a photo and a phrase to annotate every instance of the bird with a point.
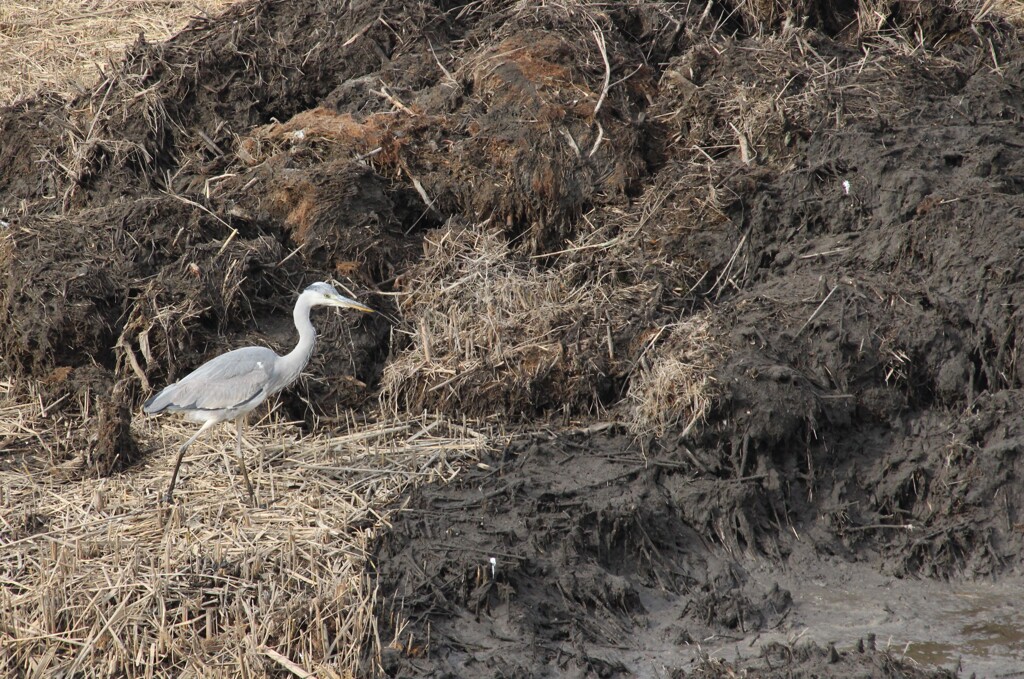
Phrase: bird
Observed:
(231, 385)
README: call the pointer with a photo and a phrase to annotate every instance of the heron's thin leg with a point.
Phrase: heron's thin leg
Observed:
(181, 456)
(241, 460)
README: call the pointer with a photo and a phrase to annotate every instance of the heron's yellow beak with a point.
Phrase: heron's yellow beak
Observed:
(347, 303)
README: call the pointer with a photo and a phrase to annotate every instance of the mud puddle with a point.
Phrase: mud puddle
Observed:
(975, 627)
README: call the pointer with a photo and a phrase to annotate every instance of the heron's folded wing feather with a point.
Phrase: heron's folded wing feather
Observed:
(230, 380)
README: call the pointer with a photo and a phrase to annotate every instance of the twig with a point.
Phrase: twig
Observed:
(355, 36)
(824, 253)
(448, 381)
(43, 412)
(423, 193)
(744, 145)
(227, 242)
(818, 310)
(572, 142)
(368, 154)
(134, 362)
(611, 343)
(290, 255)
(880, 526)
(444, 70)
(995, 60)
(603, 48)
(605, 244)
(210, 144)
(600, 136)
(202, 207)
(383, 92)
(728, 265)
(286, 663)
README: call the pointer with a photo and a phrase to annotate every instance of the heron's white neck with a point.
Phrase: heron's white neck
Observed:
(294, 361)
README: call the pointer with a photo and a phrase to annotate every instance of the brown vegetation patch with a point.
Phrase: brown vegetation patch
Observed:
(672, 386)
(97, 575)
(493, 332)
(64, 46)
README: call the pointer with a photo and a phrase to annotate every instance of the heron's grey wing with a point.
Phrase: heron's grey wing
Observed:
(232, 380)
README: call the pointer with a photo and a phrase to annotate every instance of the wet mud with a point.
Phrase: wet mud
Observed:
(844, 210)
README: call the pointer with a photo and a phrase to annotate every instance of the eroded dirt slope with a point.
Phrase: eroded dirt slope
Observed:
(868, 289)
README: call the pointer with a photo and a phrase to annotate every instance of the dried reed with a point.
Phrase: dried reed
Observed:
(673, 383)
(494, 332)
(63, 45)
(96, 579)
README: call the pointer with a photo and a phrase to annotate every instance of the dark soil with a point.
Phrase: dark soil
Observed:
(845, 203)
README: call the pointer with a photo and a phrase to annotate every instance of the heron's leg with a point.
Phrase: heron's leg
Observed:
(181, 456)
(241, 460)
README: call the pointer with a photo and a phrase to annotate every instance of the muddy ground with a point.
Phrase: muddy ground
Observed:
(836, 192)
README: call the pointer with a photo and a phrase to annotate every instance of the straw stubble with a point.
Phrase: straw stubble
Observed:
(96, 577)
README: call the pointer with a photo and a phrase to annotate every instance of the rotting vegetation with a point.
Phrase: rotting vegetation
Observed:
(681, 288)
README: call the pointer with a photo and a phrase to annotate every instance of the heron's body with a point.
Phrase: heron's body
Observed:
(231, 385)
(221, 389)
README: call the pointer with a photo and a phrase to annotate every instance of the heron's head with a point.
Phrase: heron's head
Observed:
(325, 294)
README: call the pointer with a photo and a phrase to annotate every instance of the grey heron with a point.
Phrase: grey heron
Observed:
(231, 385)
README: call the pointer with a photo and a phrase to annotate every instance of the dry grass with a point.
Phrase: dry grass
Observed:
(97, 580)
(870, 13)
(493, 331)
(1011, 10)
(63, 45)
(673, 383)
